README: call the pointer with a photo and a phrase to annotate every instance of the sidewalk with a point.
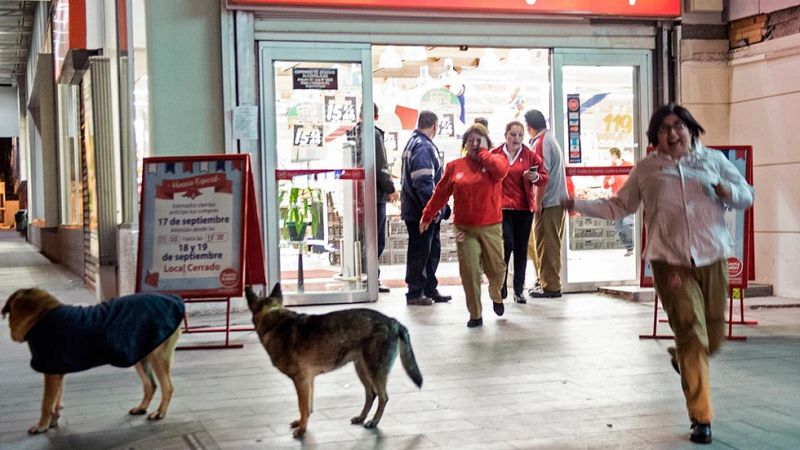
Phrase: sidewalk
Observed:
(552, 374)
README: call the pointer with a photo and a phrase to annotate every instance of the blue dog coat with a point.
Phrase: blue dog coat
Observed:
(120, 332)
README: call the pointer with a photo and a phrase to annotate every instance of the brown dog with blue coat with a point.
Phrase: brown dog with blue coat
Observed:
(139, 329)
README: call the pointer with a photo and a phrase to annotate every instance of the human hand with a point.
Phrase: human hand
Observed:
(531, 176)
(484, 143)
(722, 191)
(423, 226)
(568, 203)
(394, 197)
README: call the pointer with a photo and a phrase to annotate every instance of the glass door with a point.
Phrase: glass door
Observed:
(319, 189)
(602, 100)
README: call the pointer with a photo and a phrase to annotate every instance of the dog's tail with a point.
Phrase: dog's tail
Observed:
(407, 356)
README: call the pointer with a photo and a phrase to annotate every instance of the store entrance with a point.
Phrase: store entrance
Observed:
(599, 99)
(319, 215)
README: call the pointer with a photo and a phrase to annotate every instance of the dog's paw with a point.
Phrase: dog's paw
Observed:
(371, 424)
(156, 415)
(38, 429)
(137, 411)
(299, 432)
(294, 424)
(357, 420)
(54, 421)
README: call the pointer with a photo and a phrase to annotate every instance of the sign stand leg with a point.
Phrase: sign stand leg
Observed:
(655, 335)
(730, 335)
(227, 329)
(741, 320)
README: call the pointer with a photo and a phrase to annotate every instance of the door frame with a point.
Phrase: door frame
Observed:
(642, 63)
(268, 52)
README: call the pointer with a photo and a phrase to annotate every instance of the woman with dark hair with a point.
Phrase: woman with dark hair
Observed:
(526, 169)
(684, 188)
(475, 181)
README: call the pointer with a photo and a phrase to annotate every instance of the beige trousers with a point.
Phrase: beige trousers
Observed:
(694, 299)
(480, 246)
(547, 235)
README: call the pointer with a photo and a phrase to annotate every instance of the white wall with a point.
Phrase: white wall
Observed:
(765, 112)
(9, 112)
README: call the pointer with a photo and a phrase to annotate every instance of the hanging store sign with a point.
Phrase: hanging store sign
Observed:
(626, 8)
(314, 78)
(574, 127)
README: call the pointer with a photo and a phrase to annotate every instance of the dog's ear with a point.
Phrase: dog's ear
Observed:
(7, 307)
(276, 292)
(253, 300)
(25, 307)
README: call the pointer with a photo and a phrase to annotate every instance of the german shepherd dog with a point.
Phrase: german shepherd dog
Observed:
(62, 341)
(303, 346)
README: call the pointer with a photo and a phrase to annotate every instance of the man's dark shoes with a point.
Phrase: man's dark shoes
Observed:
(701, 433)
(419, 301)
(382, 288)
(504, 292)
(439, 298)
(544, 293)
(519, 298)
(499, 308)
(472, 323)
(673, 353)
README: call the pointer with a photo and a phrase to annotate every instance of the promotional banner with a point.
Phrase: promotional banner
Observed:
(630, 8)
(196, 215)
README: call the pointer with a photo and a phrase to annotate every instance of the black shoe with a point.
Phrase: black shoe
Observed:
(439, 298)
(544, 293)
(701, 433)
(673, 353)
(504, 292)
(383, 289)
(419, 301)
(499, 308)
(472, 323)
(519, 298)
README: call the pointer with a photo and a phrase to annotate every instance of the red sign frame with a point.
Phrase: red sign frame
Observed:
(250, 248)
(624, 8)
(747, 269)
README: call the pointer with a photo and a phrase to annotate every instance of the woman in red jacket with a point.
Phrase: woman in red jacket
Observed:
(475, 181)
(525, 170)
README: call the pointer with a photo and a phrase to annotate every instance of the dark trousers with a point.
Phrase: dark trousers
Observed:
(516, 232)
(380, 212)
(422, 259)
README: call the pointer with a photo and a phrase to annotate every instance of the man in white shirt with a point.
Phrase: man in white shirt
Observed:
(684, 188)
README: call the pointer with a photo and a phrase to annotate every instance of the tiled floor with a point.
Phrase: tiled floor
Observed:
(555, 373)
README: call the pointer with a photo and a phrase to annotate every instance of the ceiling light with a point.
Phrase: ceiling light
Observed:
(414, 53)
(489, 60)
(390, 59)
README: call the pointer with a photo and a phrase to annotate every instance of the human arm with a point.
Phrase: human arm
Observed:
(732, 188)
(438, 200)
(496, 165)
(625, 202)
(383, 179)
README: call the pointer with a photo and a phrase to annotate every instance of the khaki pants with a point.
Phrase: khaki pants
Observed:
(480, 246)
(694, 299)
(548, 233)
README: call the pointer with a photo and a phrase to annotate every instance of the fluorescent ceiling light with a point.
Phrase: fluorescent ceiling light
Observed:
(390, 59)
(414, 53)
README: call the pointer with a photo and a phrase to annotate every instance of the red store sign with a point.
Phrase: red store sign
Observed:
(627, 8)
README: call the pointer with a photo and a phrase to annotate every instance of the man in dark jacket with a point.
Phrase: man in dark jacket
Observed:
(422, 170)
(384, 190)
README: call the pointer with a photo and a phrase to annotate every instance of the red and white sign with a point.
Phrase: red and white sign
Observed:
(629, 8)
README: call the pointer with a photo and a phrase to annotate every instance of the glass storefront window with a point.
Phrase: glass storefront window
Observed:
(71, 201)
